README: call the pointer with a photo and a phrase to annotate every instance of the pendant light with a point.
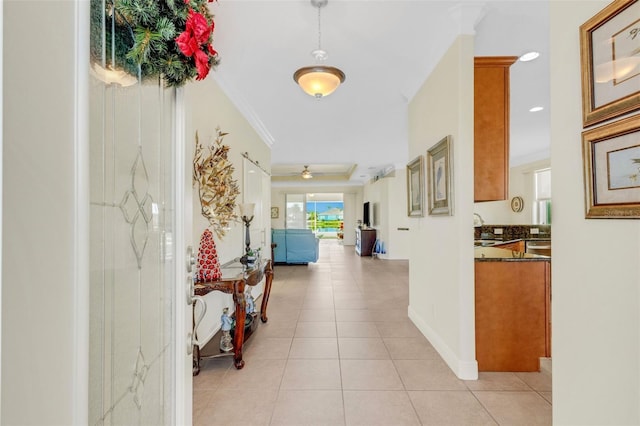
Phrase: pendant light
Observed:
(319, 80)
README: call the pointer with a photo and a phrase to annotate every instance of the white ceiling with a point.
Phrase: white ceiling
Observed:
(386, 48)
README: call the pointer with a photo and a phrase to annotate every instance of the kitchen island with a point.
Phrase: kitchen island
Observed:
(512, 303)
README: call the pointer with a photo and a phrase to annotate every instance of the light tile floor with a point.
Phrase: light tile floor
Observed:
(338, 349)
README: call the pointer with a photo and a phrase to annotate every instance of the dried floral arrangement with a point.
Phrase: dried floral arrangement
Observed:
(213, 173)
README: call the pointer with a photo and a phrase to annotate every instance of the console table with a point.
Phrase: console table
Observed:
(235, 277)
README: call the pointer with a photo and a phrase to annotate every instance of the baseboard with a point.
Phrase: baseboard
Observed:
(545, 365)
(464, 370)
(386, 256)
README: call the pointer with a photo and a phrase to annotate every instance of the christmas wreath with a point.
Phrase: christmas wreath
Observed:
(171, 39)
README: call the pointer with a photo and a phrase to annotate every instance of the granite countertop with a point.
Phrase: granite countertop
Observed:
(495, 254)
(488, 242)
(512, 232)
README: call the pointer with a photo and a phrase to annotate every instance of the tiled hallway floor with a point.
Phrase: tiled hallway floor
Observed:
(338, 349)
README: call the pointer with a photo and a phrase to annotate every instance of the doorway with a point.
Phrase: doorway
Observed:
(325, 214)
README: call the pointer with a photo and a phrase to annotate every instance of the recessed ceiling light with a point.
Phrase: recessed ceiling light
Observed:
(529, 56)
(536, 109)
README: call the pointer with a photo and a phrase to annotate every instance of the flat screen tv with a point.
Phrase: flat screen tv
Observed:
(366, 216)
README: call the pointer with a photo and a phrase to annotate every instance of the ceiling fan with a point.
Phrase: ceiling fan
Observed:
(293, 172)
(306, 173)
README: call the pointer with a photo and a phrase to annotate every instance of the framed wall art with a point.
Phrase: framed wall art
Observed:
(610, 62)
(275, 212)
(440, 178)
(611, 158)
(415, 187)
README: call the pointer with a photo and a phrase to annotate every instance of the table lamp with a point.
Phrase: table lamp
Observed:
(246, 213)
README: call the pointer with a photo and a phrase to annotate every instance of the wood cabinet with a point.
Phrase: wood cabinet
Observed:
(365, 239)
(491, 127)
(513, 317)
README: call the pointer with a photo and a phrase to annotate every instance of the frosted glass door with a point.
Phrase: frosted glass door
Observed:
(257, 190)
(132, 257)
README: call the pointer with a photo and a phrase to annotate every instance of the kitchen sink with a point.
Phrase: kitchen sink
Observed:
(485, 243)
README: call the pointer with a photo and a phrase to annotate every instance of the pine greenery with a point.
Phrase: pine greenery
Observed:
(140, 37)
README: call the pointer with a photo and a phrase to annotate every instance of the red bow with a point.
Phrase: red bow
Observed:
(195, 37)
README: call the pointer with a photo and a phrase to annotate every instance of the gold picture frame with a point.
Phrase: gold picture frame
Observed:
(610, 62)
(611, 159)
(275, 212)
(440, 178)
(415, 187)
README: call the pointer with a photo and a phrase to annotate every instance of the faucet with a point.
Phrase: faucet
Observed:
(477, 220)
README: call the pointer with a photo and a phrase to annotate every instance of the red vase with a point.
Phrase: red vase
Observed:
(208, 263)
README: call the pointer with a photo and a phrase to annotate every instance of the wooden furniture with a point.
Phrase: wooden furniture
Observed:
(365, 239)
(513, 316)
(491, 127)
(235, 277)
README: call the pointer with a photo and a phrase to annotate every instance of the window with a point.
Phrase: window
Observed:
(325, 214)
(322, 213)
(542, 200)
(296, 214)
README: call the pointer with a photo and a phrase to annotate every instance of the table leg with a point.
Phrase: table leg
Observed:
(238, 336)
(268, 272)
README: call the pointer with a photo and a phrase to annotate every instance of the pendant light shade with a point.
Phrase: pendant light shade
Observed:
(319, 80)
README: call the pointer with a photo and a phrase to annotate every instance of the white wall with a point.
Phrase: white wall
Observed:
(390, 196)
(377, 194)
(208, 107)
(595, 272)
(352, 202)
(44, 317)
(441, 274)
(399, 237)
(521, 183)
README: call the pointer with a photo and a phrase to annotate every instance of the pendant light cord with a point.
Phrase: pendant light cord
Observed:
(319, 30)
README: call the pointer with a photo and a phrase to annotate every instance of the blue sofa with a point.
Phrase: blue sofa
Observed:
(295, 246)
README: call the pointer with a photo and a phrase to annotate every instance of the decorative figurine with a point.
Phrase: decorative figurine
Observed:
(225, 340)
(250, 305)
(251, 258)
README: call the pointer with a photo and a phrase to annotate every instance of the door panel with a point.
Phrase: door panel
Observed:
(132, 259)
(257, 189)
